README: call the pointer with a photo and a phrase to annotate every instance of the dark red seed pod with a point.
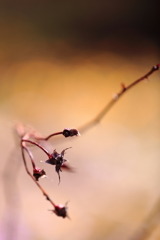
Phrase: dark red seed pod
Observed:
(37, 173)
(60, 211)
(67, 132)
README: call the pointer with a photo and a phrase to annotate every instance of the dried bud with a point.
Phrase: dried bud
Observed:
(156, 67)
(67, 132)
(60, 210)
(37, 173)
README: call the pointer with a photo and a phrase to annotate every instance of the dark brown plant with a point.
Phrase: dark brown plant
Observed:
(58, 160)
(54, 159)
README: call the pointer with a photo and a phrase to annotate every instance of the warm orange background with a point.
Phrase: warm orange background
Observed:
(61, 75)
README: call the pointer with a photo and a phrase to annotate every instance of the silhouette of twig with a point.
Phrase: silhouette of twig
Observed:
(33, 178)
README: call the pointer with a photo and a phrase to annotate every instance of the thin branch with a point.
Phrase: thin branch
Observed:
(117, 96)
(61, 211)
(38, 145)
(27, 170)
(51, 135)
(67, 132)
(31, 156)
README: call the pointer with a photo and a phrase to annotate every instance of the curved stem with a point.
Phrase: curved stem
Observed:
(38, 145)
(31, 156)
(39, 186)
(51, 135)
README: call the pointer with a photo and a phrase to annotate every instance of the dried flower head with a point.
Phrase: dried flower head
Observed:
(38, 173)
(58, 160)
(68, 132)
(60, 210)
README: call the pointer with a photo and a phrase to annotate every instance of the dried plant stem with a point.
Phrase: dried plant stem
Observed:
(61, 211)
(38, 145)
(27, 170)
(31, 156)
(51, 135)
(117, 96)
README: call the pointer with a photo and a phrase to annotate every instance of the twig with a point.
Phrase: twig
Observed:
(59, 210)
(115, 98)
(51, 135)
(25, 164)
(31, 156)
(38, 145)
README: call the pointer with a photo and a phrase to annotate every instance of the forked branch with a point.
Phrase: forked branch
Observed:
(59, 210)
(57, 159)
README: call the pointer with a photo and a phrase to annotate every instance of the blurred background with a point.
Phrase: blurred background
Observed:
(60, 63)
